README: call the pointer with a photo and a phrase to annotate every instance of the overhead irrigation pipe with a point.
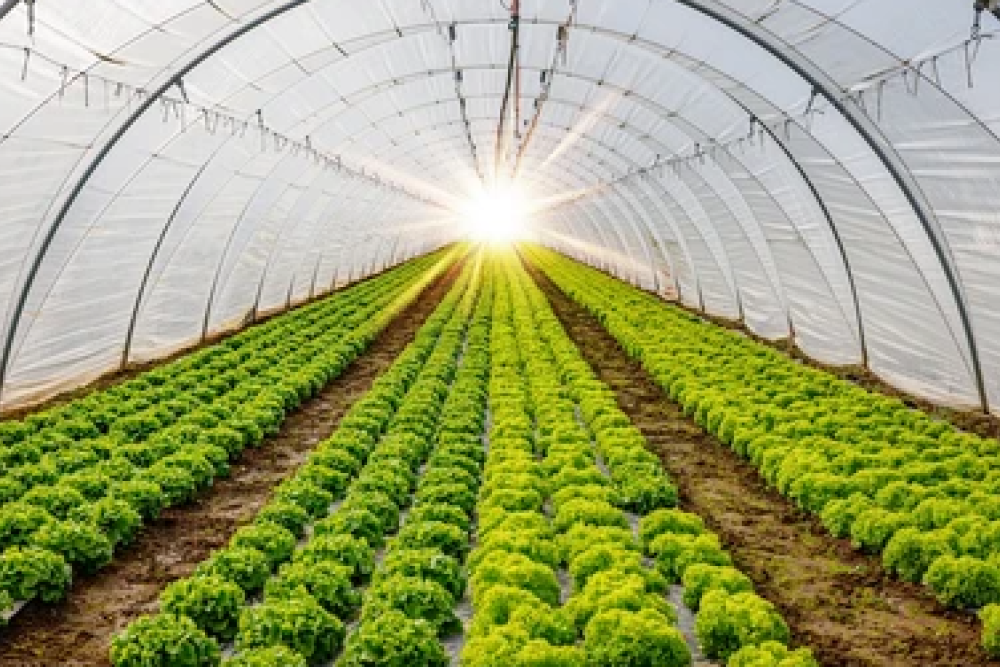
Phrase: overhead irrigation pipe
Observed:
(513, 85)
(562, 46)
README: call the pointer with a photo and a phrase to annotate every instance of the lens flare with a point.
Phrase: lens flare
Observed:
(498, 216)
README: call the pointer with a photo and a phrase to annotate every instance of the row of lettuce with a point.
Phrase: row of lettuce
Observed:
(79, 480)
(547, 507)
(289, 585)
(890, 478)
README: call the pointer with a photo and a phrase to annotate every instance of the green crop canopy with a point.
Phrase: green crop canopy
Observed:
(823, 170)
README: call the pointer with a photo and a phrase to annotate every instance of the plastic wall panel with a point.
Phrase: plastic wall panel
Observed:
(682, 280)
(173, 316)
(762, 302)
(280, 271)
(955, 161)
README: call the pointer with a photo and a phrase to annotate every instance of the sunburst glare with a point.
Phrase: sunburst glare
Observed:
(499, 215)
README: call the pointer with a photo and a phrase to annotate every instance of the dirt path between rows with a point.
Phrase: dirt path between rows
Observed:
(836, 600)
(78, 631)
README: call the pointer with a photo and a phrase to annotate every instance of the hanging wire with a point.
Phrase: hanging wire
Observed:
(30, 4)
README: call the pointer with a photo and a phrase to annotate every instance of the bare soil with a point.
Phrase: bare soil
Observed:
(837, 601)
(78, 630)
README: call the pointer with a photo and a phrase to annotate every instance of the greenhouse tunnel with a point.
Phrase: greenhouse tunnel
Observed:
(822, 170)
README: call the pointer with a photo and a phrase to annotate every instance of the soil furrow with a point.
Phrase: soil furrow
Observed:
(78, 630)
(838, 601)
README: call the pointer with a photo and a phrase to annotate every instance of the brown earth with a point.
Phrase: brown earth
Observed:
(78, 630)
(837, 601)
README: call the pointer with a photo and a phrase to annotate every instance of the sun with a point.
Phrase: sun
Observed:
(497, 216)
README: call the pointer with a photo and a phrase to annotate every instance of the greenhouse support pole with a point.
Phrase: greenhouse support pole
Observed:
(7, 7)
(22, 294)
(892, 163)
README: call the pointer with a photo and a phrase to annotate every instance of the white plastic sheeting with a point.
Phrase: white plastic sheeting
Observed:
(822, 169)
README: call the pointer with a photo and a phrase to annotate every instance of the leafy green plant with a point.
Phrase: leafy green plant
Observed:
(603, 557)
(30, 572)
(275, 542)
(450, 540)
(116, 519)
(428, 564)
(332, 481)
(288, 515)
(516, 570)
(330, 584)
(580, 538)
(310, 497)
(378, 504)
(416, 598)
(345, 550)
(275, 656)
(614, 589)
(176, 483)
(19, 521)
(246, 567)
(910, 551)
(699, 579)
(458, 495)
(644, 638)
(726, 623)
(144, 496)
(164, 641)
(772, 654)
(668, 521)
(299, 624)
(964, 581)
(81, 544)
(394, 640)
(449, 514)
(588, 512)
(212, 602)
(356, 522)
(58, 500)
(990, 616)
(675, 553)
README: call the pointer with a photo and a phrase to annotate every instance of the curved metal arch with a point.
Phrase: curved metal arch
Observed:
(879, 145)
(105, 150)
(7, 7)
(720, 261)
(380, 88)
(599, 229)
(774, 278)
(316, 178)
(217, 280)
(379, 84)
(835, 233)
(278, 247)
(903, 62)
(625, 160)
(797, 65)
(699, 228)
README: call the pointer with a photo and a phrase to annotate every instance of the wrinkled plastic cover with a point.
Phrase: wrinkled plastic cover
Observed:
(787, 216)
